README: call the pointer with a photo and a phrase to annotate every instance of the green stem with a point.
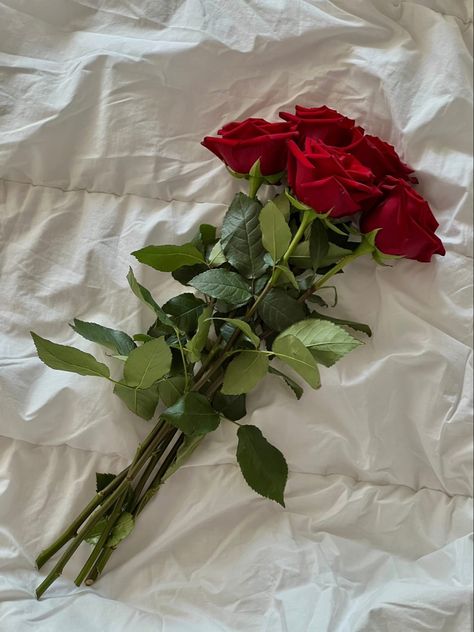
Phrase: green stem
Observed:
(99, 565)
(104, 536)
(363, 249)
(71, 531)
(82, 533)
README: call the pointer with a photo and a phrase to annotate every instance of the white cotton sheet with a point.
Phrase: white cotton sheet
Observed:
(102, 108)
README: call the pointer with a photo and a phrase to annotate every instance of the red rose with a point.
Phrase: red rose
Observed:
(244, 142)
(336, 130)
(322, 124)
(328, 180)
(406, 222)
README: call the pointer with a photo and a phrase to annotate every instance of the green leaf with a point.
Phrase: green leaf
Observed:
(276, 234)
(185, 309)
(283, 204)
(224, 285)
(142, 337)
(141, 402)
(300, 257)
(289, 276)
(296, 203)
(244, 328)
(244, 373)
(169, 258)
(348, 323)
(185, 450)
(207, 233)
(216, 256)
(327, 342)
(147, 364)
(65, 358)
(193, 414)
(279, 311)
(186, 274)
(263, 466)
(171, 389)
(231, 406)
(144, 295)
(318, 244)
(198, 341)
(292, 352)
(295, 387)
(333, 255)
(117, 341)
(102, 480)
(94, 533)
(121, 529)
(241, 237)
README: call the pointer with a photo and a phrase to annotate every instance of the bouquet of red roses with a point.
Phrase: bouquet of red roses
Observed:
(255, 302)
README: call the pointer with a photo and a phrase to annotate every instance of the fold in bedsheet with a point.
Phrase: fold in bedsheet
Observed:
(102, 109)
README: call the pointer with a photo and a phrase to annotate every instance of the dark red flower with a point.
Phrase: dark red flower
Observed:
(407, 224)
(242, 143)
(328, 180)
(332, 128)
(323, 124)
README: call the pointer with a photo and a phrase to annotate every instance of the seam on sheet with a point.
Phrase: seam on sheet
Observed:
(117, 195)
(357, 481)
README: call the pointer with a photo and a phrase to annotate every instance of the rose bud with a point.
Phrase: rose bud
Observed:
(406, 223)
(242, 143)
(328, 180)
(332, 128)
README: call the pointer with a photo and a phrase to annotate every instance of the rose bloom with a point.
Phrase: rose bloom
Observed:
(328, 180)
(242, 143)
(332, 128)
(406, 222)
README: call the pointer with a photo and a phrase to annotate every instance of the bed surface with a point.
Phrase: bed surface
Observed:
(103, 104)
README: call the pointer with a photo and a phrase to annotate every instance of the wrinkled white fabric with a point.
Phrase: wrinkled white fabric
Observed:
(102, 108)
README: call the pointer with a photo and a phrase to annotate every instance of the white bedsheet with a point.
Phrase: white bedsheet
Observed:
(103, 104)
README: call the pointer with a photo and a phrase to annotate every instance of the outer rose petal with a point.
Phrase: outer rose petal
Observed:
(244, 142)
(406, 223)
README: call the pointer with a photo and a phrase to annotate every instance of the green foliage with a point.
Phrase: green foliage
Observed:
(231, 406)
(241, 237)
(141, 402)
(171, 389)
(65, 358)
(295, 387)
(187, 273)
(147, 364)
(102, 480)
(327, 342)
(279, 311)
(147, 299)
(224, 285)
(185, 450)
(216, 256)
(121, 529)
(318, 244)
(198, 341)
(244, 328)
(263, 466)
(244, 372)
(340, 321)
(185, 310)
(292, 352)
(169, 258)
(117, 341)
(282, 203)
(276, 234)
(193, 414)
